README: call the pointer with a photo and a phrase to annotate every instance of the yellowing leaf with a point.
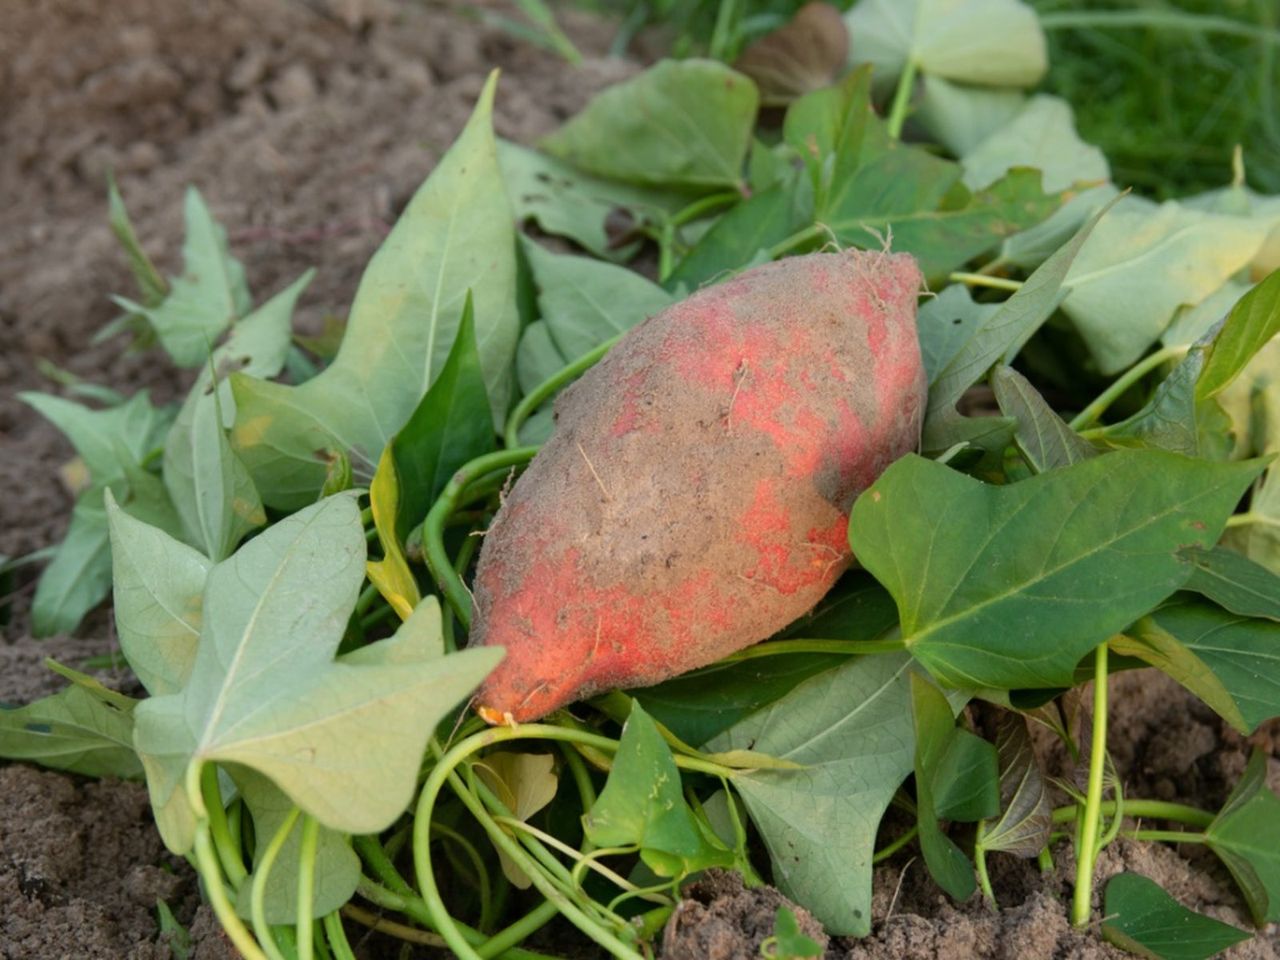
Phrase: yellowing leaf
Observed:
(525, 783)
(1141, 264)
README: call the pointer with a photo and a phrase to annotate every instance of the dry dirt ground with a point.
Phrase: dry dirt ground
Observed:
(307, 124)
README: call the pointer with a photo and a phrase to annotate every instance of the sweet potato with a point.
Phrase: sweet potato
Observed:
(694, 497)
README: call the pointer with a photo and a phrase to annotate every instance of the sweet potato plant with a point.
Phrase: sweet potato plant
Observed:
(1021, 442)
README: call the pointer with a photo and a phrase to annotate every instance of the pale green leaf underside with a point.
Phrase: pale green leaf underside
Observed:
(456, 235)
(342, 738)
(157, 588)
(991, 42)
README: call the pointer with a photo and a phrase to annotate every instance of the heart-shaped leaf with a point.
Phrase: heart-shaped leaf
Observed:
(684, 123)
(1010, 586)
(1142, 919)
(343, 739)
(642, 805)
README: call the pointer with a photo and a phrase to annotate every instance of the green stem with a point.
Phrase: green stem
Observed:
(484, 888)
(307, 885)
(770, 648)
(515, 934)
(438, 562)
(1131, 376)
(228, 851)
(412, 907)
(895, 845)
(258, 891)
(1145, 810)
(444, 772)
(211, 872)
(795, 240)
(980, 865)
(718, 49)
(1044, 860)
(982, 280)
(1159, 20)
(700, 208)
(1169, 836)
(1245, 519)
(365, 600)
(666, 258)
(902, 99)
(1087, 848)
(337, 937)
(548, 388)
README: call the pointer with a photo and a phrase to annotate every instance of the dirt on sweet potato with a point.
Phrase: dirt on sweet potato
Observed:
(694, 497)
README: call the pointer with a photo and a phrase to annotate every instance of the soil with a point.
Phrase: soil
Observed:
(307, 124)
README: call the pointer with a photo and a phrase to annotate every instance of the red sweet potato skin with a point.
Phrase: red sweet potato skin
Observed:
(694, 497)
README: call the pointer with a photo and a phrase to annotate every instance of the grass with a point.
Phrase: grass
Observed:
(1167, 103)
(1166, 98)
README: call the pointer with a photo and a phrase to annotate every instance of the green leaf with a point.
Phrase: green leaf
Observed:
(538, 358)
(71, 730)
(1033, 246)
(966, 779)
(851, 730)
(158, 584)
(209, 485)
(111, 440)
(869, 187)
(266, 693)
(960, 116)
(209, 296)
(642, 805)
(1227, 660)
(1191, 323)
(1026, 814)
(680, 123)
(743, 237)
(337, 868)
(79, 576)
(1071, 557)
(702, 704)
(1000, 336)
(1043, 136)
(455, 236)
(585, 302)
(1246, 837)
(525, 783)
(789, 941)
(448, 428)
(946, 323)
(996, 43)
(1234, 581)
(565, 202)
(1252, 323)
(150, 283)
(1141, 918)
(935, 728)
(1043, 437)
(1172, 419)
(173, 933)
(1142, 263)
